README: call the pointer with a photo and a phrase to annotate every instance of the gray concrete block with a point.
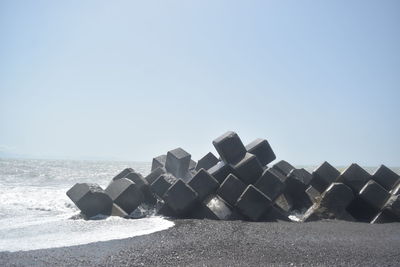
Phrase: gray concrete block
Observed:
(384, 217)
(143, 186)
(283, 167)
(158, 162)
(177, 162)
(296, 183)
(284, 202)
(361, 210)
(262, 150)
(313, 194)
(161, 185)
(393, 206)
(253, 203)
(220, 171)
(192, 165)
(118, 211)
(396, 190)
(387, 178)
(219, 208)
(180, 197)
(332, 205)
(248, 169)
(154, 175)
(355, 177)
(231, 189)
(374, 194)
(91, 199)
(207, 161)
(271, 183)
(324, 176)
(204, 184)
(230, 147)
(123, 174)
(275, 214)
(125, 193)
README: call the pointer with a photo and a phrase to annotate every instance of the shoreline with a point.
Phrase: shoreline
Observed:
(232, 243)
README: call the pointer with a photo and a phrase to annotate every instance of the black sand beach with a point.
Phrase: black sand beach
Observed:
(235, 243)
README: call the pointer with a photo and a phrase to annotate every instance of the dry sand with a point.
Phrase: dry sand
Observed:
(236, 243)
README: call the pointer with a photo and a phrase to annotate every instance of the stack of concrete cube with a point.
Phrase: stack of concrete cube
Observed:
(240, 185)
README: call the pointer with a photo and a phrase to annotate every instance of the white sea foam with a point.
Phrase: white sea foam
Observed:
(35, 211)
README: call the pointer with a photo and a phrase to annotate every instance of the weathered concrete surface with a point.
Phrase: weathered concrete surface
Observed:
(230, 147)
(262, 150)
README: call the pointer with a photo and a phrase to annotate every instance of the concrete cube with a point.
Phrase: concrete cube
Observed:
(361, 210)
(122, 174)
(91, 199)
(262, 150)
(158, 162)
(384, 217)
(253, 203)
(248, 169)
(125, 193)
(207, 161)
(355, 177)
(177, 162)
(143, 185)
(324, 176)
(271, 183)
(332, 205)
(395, 190)
(386, 177)
(192, 165)
(313, 193)
(204, 184)
(161, 185)
(154, 175)
(283, 167)
(297, 182)
(230, 147)
(393, 206)
(284, 202)
(220, 171)
(118, 211)
(275, 214)
(180, 197)
(231, 189)
(374, 194)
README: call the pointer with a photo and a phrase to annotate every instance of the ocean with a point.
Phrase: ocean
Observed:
(35, 212)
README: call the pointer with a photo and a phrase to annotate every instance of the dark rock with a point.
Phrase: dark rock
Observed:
(374, 194)
(125, 193)
(158, 162)
(332, 205)
(204, 184)
(324, 176)
(231, 189)
(180, 197)
(248, 169)
(154, 175)
(220, 171)
(283, 167)
(262, 150)
(355, 177)
(230, 147)
(386, 177)
(271, 183)
(253, 203)
(122, 174)
(207, 161)
(161, 185)
(91, 199)
(177, 162)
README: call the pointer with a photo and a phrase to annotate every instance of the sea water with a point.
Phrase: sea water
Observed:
(35, 212)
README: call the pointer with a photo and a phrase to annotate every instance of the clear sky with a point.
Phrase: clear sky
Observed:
(132, 79)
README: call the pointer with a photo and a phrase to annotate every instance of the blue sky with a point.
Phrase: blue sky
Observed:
(132, 79)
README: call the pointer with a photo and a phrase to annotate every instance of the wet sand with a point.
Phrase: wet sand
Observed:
(236, 243)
